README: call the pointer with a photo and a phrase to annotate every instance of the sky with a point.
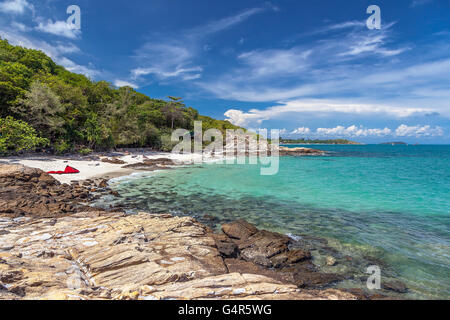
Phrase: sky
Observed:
(312, 69)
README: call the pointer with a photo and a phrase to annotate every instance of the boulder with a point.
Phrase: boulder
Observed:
(239, 230)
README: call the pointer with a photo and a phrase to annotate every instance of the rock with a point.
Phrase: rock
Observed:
(113, 160)
(298, 255)
(98, 255)
(272, 252)
(238, 286)
(152, 164)
(114, 193)
(313, 279)
(284, 151)
(239, 229)
(102, 183)
(262, 246)
(394, 285)
(26, 191)
(226, 248)
(331, 261)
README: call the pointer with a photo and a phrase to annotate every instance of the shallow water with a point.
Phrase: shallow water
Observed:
(391, 202)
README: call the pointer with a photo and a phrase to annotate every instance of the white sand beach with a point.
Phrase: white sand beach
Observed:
(92, 169)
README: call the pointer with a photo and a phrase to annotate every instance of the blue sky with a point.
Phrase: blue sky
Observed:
(310, 68)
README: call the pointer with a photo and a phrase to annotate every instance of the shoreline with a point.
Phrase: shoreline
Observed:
(99, 254)
(92, 167)
(228, 247)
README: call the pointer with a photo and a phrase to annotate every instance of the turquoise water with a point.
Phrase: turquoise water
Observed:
(390, 202)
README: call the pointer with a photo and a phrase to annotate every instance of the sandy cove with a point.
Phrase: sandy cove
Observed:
(92, 167)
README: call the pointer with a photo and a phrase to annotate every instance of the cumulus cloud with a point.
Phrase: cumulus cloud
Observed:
(56, 51)
(122, 83)
(70, 65)
(419, 131)
(362, 132)
(239, 118)
(15, 6)
(322, 107)
(59, 28)
(302, 131)
(352, 131)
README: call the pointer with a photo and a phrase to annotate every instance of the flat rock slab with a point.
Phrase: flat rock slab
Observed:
(117, 256)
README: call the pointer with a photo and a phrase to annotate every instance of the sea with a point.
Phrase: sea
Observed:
(390, 203)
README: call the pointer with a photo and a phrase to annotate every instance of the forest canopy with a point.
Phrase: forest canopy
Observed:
(67, 112)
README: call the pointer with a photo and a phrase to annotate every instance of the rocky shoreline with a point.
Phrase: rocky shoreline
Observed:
(53, 245)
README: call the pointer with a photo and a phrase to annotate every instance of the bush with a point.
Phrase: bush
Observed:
(84, 151)
(62, 147)
(17, 135)
(166, 143)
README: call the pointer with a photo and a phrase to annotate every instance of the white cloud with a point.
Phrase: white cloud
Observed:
(330, 66)
(67, 63)
(19, 26)
(319, 107)
(59, 28)
(275, 62)
(15, 6)
(417, 3)
(362, 132)
(57, 51)
(178, 59)
(302, 131)
(121, 83)
(240, 118)
(372, 45)
(418, 131)
(352, 131)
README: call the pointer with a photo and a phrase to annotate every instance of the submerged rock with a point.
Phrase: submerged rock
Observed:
(284, 151)
(394, 285)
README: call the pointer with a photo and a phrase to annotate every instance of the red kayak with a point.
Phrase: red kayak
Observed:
(69, 170)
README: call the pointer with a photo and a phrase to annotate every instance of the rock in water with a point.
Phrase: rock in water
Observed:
(239, 229)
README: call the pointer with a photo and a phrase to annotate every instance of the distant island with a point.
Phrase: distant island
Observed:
(310, 141)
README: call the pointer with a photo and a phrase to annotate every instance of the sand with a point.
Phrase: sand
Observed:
(90, 169)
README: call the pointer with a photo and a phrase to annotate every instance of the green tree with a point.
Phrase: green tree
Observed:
(15, 79)
(17, 135)
(173, 110)
(42, 109)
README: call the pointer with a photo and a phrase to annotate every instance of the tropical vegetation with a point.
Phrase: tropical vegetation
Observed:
(43, 105)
